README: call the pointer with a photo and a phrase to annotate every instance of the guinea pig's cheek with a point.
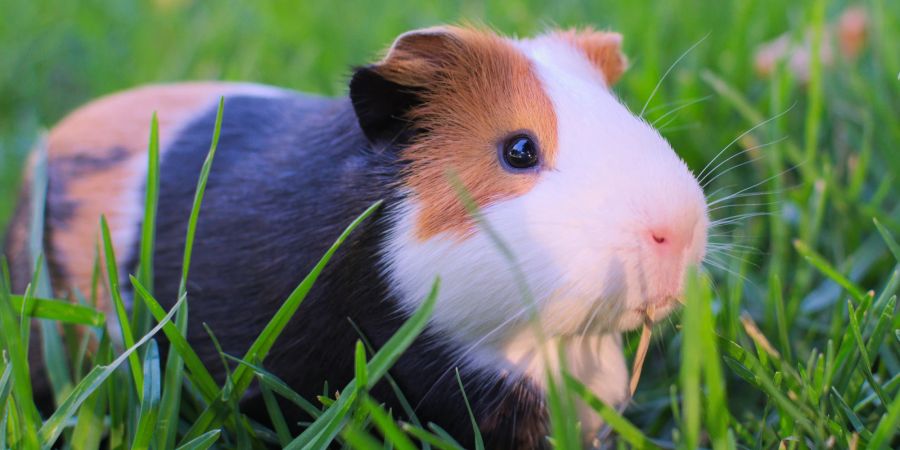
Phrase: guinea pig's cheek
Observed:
(559, 240)
(480, 293)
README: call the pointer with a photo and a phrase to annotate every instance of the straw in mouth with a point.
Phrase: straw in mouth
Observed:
(641, 355)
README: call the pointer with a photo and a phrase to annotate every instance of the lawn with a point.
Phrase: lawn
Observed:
(793, 338)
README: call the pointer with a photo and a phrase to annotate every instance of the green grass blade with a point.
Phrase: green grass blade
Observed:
(147, 425)
(443, 434)
(59, 311)
(18, 357)
(5, 389)
(888, 239)
(781, 321)
(882, 326)
(851, 416)
(321, 432)
(887, 427)
(864, 353)
(362, 374)
(386, 425)
(733, 96)
(479, 441)
(693, 321)
(89, 429)
(112, 273)
(202, 442)
(140, 317)
(814, 87)
(4, 423)
(183, 355)
(359, 439)
(278, 386)
(331, 422)
(828, 270)
(198, 199)
(717, 416)
(263, 343)
(275, 415)
(625, 429)
(408, 411)
(197, 372)
(761, 377)
(170, 404)
(430, 438)
(52, 428)
(53, 352)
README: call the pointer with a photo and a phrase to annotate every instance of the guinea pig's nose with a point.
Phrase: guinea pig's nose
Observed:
(668, 238)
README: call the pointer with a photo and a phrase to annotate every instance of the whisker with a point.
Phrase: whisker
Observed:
(738, 195)
(679, 108)
(741, 216)
(748, 248)
(755, 147)
(669, 70)
(756, 185)
(668, 122)
(700, 175)
(677, 103)
(713, 194)
(687, 126)
(743, 205)
(737, 218)
(735, 257)
(725, 269)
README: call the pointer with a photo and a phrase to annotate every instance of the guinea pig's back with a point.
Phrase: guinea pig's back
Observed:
(97, 164)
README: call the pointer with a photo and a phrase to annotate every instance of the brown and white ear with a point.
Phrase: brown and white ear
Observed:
(384, 92)
(602, 48)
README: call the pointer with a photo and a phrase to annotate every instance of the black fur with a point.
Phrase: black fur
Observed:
(288, 176)
(381, 105)
(19, 262)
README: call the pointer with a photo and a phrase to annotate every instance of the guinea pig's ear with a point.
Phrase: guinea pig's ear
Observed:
(603, 49)
(384, 92)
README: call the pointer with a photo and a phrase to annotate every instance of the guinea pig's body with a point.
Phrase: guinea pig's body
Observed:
(507, 119)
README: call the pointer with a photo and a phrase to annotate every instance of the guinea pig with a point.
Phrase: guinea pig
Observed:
(600, 215)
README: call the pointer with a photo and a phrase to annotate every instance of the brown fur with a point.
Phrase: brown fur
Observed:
(477, 89)
(602, 48)
(94, 172)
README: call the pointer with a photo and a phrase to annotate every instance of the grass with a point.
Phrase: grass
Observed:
(789, 339)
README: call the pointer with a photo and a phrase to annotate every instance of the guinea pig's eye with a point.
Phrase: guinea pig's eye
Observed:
(520, 152)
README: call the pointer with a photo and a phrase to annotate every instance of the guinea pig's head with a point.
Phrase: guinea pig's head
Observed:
(589, 216)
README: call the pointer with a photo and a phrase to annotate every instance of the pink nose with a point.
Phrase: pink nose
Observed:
(669, 239)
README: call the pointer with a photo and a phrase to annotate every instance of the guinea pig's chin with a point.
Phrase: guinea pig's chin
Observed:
(654, 309)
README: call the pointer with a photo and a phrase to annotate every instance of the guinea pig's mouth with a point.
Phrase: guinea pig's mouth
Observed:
(657, 309)
(652, 310)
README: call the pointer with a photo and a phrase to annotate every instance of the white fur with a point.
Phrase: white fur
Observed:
(596, 360)
(582, 239)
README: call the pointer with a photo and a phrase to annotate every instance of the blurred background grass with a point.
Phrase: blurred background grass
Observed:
(840, 130)
(57, 55)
